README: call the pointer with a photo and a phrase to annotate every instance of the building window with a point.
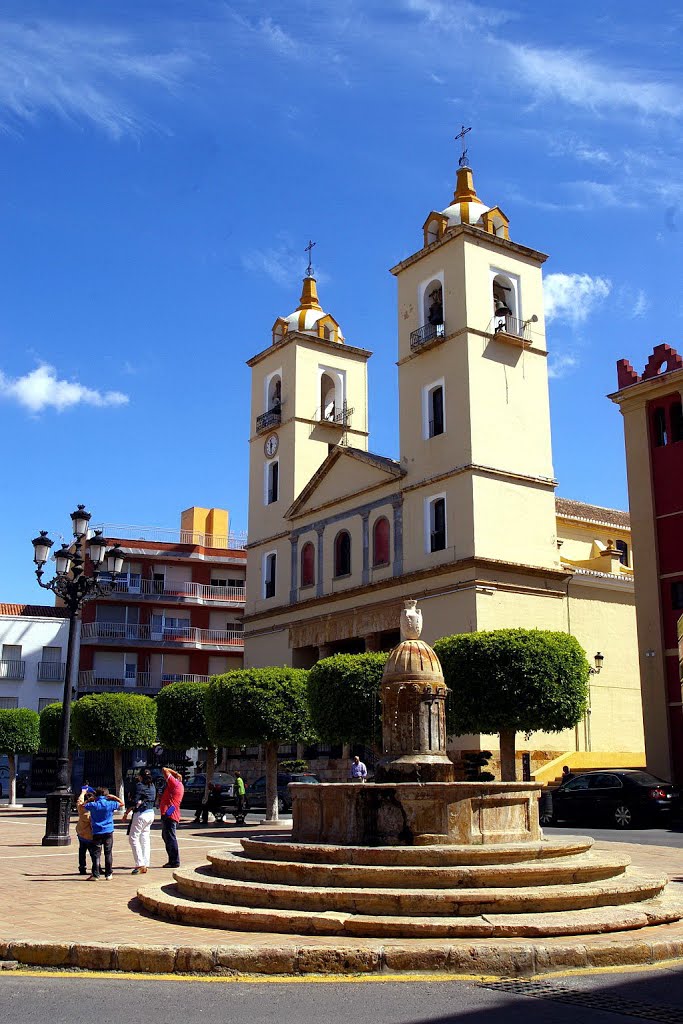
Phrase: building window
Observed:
(269, 574)
(380, 542)
(433, 410)
(272, 481)
(676, 422)
(659, 426)
(677, 595)
(435, 523)
(44, 702)
(504, 296)
(342, 553)
(308, 564)
(9, 702)
(622, 548)
(11, 666)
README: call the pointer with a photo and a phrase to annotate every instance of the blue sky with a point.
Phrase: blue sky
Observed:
(163, 164)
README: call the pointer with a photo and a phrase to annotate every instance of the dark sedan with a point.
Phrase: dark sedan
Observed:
(220, 793)
(256, 792)
(619, 798)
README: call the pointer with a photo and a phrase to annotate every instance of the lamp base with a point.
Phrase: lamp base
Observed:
(57, 820)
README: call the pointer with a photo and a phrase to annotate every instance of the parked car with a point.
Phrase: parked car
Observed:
(618, 798)
(256, 792)
(221, 798)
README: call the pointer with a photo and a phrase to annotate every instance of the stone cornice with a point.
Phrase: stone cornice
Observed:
(479, 235)
(297, 336)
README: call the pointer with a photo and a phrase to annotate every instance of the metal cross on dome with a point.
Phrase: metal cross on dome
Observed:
(309, 250)
(463, 161)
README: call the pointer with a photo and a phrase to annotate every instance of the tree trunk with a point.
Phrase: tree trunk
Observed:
(210, 767)
(118, 774)
(12, 765)
(271, 781)
(508, 762)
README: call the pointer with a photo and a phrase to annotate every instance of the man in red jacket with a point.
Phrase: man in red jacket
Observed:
(169, 806)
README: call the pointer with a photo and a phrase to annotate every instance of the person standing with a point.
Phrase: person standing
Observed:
(142, 809)
(238, 792)
(84, 829)
(102, 823)
(359, 772)
(169, 806)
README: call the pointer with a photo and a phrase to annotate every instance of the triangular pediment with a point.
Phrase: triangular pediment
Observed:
(344, 473)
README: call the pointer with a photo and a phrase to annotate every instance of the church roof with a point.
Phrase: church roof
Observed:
(390, 467)
(567, 508)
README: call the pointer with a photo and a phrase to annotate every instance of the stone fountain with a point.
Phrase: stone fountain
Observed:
(416, 854)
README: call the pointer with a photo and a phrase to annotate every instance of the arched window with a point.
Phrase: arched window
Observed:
(432, 232)
(504, 304)
(432, 307)
(676, 422)
(278, 333)
(659, 426)
(380, 542)
(274, 393)
(342, 553)
(328, 394)
(307, 564)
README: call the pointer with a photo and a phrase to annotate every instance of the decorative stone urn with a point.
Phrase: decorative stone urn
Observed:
(413, 709)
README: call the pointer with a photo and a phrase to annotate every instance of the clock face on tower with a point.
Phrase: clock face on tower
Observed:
(271, 445)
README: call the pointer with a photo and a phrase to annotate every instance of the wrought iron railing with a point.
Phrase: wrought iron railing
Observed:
(162, 634)
(268, 420)
(12, 668)
(51, 671)
(425, 334)
(512, 326)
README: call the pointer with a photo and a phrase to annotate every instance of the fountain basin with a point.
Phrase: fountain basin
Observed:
(416, 814)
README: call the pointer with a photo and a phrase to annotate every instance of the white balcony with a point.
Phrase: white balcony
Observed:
(145, 682)
(194, 593)
(125, 531)
(184, 636)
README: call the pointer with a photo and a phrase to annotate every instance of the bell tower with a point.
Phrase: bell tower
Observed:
(473, 384)
(308, 394)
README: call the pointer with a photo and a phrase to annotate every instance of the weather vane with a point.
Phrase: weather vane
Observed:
(309, 250)
(463, 161)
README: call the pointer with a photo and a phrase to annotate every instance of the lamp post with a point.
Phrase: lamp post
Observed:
(74, 588)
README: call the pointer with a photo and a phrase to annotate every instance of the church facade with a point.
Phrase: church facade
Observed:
(466, 520)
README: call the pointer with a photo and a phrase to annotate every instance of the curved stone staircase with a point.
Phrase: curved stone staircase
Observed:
(549, 887)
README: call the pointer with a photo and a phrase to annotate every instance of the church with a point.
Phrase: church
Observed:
(466, 520)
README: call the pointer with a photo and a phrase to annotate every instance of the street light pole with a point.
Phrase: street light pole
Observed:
(74, 588)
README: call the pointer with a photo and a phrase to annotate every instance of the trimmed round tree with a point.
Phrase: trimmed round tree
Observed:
(114, 721)
(344, 698)
(507, 681)
(19, 734)
(259, 705)
(181, 722)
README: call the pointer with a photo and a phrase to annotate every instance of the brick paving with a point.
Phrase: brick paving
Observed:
(43, 898)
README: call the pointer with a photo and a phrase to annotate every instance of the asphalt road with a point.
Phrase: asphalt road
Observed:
(603, 999)
(646, 836)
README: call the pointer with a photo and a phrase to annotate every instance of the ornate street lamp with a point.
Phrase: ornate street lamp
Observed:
(74, 588)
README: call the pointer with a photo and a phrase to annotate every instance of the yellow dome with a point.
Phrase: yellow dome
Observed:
(413, 661)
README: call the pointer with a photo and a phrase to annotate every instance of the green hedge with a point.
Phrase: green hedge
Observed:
(181, 715)
(106, 721)
(19, 731)
(343, 697)
(258, 705)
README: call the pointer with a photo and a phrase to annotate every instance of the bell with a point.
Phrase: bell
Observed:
(502, 309)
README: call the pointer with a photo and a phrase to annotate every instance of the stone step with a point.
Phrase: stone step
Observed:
(628, 888)
(562, 871)
(168, 902)
(420, 856)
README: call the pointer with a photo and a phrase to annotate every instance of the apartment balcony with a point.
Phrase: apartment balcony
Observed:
(190, 593)
(235, 540)
(162, 636)
(12, 669)
(51, 671)
(142, 682)
(426, 334)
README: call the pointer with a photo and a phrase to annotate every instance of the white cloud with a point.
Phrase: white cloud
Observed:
(459, 14)
(573, 297)
(575, 78)
(560, 365)
(80, 74)
(282, 263)
(42, 389)
(640, 306)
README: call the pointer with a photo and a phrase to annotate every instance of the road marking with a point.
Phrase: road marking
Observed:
(335, 979)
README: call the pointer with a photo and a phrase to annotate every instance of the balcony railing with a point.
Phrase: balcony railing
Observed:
(90, 680)
(511, 326)
(134, 585)
(338, 417)
(163, 634)
(12, 669)
(124, 531)
(51, 671)
(425, 334)
(268, 420)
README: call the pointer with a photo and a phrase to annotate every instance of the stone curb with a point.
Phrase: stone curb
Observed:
(450, 958)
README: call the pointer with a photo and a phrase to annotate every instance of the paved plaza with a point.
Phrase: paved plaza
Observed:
(51, 915)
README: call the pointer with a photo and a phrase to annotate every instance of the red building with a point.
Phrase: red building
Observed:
(653, 428)
(175, 613)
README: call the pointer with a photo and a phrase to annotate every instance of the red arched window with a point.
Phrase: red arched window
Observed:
(307, 565)
(380, 542)
(342, 553)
